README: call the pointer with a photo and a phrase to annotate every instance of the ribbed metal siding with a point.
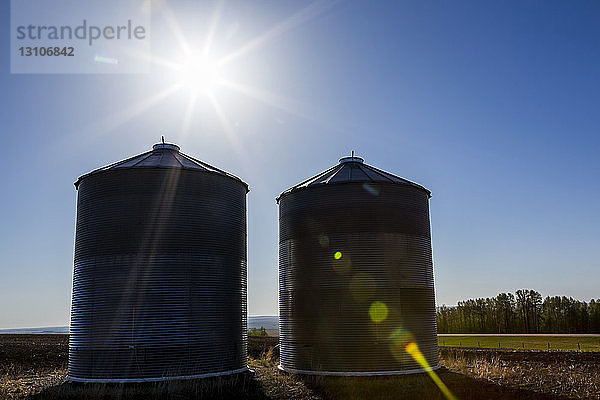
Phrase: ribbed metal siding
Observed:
(159, 288)
(383, 233)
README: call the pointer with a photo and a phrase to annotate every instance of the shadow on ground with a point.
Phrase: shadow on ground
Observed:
(418, 386)
(240, 386)
(271, 384)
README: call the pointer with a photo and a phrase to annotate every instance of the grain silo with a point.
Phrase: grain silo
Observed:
(355, 273)
(159, 286)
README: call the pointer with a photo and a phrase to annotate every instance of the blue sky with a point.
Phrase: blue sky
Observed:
(493, 106)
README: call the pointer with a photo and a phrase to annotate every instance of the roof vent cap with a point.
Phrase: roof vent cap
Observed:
(165, 146)
(351, 159)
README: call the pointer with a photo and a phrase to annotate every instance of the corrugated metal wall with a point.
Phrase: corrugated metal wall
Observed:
(355, 278)
(159, 288)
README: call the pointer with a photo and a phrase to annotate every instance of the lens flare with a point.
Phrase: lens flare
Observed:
(324, 241)
(399, 339)
(378, 312)
(362, 287)
(341, 264)
(105, 60)
(371, 189)
(413, 349)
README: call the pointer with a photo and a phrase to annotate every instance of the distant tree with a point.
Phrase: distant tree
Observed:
(258, 332)
(505, 309)
(480, 313)
(522, 296)
(535, 303)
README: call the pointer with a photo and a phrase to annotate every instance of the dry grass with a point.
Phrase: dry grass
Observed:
(17, 384)
(278, 385)
(30, 363)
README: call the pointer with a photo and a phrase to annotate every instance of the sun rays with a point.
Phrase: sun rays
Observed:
(195, 70)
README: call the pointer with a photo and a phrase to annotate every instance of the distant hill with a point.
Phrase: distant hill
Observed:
(44, 330)
(269, 322)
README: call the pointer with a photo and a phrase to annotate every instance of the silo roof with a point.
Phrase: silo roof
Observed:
(162, 155)
(352, 169)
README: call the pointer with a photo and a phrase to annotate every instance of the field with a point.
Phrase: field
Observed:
(568, 343)
(34, 367)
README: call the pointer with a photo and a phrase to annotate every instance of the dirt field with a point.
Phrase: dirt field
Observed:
(34, 367)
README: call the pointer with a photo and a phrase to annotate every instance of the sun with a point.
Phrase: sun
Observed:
(192, 67)
(198, 73)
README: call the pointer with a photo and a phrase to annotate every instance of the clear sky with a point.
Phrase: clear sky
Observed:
(493, 106)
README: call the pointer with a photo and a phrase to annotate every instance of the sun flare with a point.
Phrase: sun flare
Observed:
(198, 73)
(210, 74)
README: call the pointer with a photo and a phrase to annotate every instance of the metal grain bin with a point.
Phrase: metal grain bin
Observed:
(159, 286)
(355, 273)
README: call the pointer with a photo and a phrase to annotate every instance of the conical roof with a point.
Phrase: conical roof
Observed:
(352, 169)
(162, 155)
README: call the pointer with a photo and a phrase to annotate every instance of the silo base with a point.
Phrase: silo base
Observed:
(161, 379)
(356, 373)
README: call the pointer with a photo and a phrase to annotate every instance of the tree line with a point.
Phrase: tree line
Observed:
(522, 312)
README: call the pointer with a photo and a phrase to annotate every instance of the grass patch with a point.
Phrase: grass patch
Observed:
(565, 343)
